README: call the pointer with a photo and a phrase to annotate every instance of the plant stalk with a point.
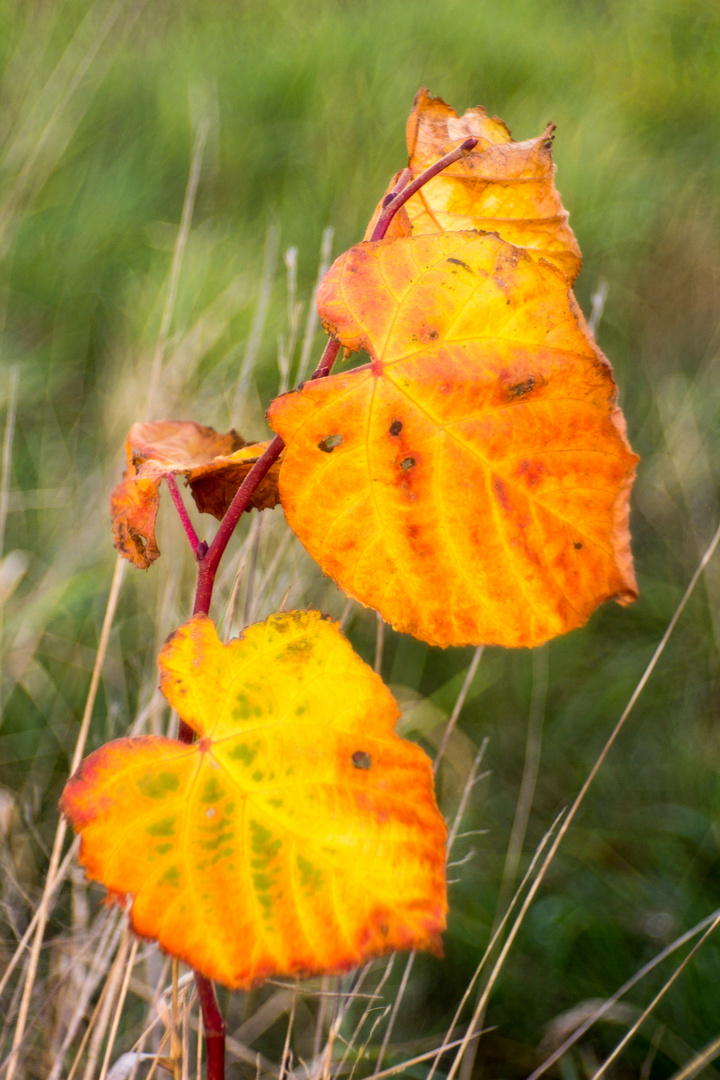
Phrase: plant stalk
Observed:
(182, 511)
(208, 560)
(396, 199)
(214, 1027)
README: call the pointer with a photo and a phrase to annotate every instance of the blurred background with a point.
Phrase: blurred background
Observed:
(293, 114)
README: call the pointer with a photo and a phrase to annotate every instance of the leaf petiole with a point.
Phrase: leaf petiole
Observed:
(214, 1027)
(401, 194)
(209, 562)
(208, 558)
(182, 512)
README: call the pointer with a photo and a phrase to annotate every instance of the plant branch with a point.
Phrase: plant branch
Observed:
(395, 199)
(214, 1028)
(210, 560)
(327, 360)
(182, 512)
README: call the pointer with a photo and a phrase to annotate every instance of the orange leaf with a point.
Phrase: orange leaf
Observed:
(299, 835)
(215, 465)
(215, 484)
(471, 484)
(502, 186)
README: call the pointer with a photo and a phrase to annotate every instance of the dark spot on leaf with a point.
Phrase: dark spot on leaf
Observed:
(326, 618)
(329, 443)
(501, 492)
(522, 387)
(361, 760)
(577, 545)
(547, 144)
(459, 262)
(407, 463)
(433, 335)
(395, 427)
(299, 387)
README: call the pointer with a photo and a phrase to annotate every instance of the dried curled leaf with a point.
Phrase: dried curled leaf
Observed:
(299, 835)
(502, 186)
(214, 465)
(472, 484)
(214, 485)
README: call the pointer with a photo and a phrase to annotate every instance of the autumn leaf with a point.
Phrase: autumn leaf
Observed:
(472, 483)
(298, 835)
(214, 465)
(502, 186)
(215, 484)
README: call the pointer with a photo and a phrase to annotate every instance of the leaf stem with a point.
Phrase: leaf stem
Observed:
(327, 360)
(182, 512)
(214, 1027)
(209, 560)
(397, 198)
(209, 563)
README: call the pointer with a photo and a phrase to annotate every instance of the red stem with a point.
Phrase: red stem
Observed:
(327, 360)
(208, 560)
(395, 201)
(214, 1028)
(180, 507)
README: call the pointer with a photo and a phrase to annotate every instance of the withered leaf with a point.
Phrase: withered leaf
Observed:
(213, 464)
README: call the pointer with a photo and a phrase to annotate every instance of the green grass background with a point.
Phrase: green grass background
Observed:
(306, 104)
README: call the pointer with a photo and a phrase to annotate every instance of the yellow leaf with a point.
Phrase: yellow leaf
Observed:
(299, 835)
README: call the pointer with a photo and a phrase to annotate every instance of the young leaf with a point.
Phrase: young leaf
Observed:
(214, 465)
(299, 835)
(502, 186)
(472, 484)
